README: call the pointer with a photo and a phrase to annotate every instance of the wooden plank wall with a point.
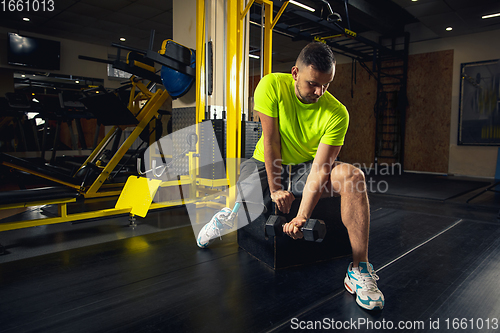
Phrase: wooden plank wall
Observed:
(427, 142)
(359, 97)
(428, 115)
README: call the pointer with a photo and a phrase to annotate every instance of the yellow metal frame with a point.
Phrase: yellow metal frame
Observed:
(139, 92)
(236, 13)
(97, 189)
(36, 203)
(63, 216)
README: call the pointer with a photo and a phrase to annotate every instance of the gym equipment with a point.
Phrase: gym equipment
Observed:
(192, 140)
(95, 178)
(177, 83)
(314, 230)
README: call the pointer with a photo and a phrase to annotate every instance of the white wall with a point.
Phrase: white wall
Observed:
(477, 161)
(184, 32)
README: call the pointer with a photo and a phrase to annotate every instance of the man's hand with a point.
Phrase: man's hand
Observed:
(283, 200)
(292, 228)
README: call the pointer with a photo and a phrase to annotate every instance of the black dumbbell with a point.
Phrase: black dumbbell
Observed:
(314, 230)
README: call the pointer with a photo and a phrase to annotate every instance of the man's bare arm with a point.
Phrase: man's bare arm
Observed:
(272, 156)
(316, 182)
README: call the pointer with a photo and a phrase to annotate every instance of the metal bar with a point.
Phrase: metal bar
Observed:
(60, 219)
(349, 52)
(100, 147)
(344, 31)
(149, 111)
(128, 48)
(41, 175)
(247, 8)
(62, 209)
(234, 75)
(282, 9)
(36, 203)
(200, 60)
(268, 38)
(95, 59)
(173, 203)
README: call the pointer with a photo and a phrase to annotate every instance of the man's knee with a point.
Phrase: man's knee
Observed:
(348, 178)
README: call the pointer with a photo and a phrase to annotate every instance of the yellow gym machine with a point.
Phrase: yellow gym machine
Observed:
(137, 195)
(234, 76)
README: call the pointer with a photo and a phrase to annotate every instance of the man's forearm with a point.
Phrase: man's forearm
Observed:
(272, 157)
(316, 182)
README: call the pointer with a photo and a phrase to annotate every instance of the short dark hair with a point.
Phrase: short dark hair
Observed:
(317, 54)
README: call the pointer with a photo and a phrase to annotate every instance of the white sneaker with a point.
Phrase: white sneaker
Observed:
(361, 281)
(212, 229)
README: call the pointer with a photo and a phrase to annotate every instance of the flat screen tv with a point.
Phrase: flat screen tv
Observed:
(33, 52)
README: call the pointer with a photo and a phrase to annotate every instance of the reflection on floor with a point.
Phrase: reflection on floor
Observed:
(437, 261)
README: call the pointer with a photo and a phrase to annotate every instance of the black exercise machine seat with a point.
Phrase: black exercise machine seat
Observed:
(37, 194)
(50, 172)
(108, 108)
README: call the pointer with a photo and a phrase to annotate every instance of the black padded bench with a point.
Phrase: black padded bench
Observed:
(46, 171)
(282, 251)
(23, 198)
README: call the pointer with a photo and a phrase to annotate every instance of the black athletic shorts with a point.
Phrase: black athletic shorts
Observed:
(253, 186)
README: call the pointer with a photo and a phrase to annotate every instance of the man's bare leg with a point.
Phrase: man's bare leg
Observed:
(349, 182)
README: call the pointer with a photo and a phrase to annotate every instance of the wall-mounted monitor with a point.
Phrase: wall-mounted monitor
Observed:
(33, 52)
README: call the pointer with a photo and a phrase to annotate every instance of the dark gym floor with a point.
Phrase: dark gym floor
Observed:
(438, 262)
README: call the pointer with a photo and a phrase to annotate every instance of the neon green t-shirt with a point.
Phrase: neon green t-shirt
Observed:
(302, 126)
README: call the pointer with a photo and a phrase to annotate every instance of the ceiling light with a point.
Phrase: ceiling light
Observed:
(26, 19)
(122, 39)
(490, 16)
(254, 56)
(302, 5)
(449, 29)
(414, 0)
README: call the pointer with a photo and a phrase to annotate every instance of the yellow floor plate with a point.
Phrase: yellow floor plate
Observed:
(138, 193)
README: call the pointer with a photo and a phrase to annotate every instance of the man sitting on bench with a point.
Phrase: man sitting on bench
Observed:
(304, 125)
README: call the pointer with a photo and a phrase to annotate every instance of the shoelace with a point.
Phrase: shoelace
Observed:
(217, 229)
(368, 280)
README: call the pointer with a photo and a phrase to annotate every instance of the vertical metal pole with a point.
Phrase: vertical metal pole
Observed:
(233, 64)
(261, 60)
(244, 66)
(200, 60)
(268, 37)
(205, 43)
(224, 51)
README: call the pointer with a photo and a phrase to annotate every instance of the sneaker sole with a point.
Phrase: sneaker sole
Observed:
(348, 286)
